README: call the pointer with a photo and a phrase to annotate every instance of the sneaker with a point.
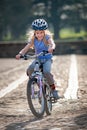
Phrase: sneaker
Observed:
(55, 94)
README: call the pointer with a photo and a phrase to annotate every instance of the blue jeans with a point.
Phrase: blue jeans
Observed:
(46, 70)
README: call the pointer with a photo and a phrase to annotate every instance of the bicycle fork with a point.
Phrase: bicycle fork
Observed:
(40, 85)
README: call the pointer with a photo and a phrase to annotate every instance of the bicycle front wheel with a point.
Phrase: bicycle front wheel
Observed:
(36, 100)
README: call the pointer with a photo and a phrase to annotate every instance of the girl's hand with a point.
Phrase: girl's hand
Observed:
(50, 50)
(17, 56)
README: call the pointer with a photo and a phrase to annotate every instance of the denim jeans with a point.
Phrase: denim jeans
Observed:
(46, 70)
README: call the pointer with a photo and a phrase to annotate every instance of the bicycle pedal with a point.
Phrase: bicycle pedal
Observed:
(53, 100)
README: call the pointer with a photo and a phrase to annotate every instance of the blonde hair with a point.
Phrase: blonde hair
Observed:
(31, 36)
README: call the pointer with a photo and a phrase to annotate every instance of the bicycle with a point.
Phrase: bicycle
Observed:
(39, 94)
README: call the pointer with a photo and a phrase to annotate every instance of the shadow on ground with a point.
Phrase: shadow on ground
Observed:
(81, 121)
(22, 125)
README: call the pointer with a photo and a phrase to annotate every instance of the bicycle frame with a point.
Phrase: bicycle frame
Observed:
(37, 78)
(39, 81)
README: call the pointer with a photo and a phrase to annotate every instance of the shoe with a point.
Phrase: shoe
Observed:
(55, 94)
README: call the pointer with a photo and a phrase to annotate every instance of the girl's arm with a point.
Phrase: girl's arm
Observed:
(23, 51)
(51, 45)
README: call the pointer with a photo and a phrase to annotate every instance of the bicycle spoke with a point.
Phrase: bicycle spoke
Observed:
(36, 99)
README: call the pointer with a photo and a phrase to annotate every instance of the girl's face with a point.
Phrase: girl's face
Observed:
(39, 34)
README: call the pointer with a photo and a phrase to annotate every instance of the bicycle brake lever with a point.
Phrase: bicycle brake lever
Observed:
(25, 57)
(44, 52)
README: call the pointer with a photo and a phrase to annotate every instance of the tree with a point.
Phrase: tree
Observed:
(16, 17)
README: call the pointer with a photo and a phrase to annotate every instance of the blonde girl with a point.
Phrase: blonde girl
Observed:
(41, 39)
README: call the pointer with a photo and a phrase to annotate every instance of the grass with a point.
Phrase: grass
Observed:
(65, 34)
(70, 33)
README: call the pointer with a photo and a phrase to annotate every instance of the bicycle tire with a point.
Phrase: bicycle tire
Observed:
(48, 105)
(39, 113)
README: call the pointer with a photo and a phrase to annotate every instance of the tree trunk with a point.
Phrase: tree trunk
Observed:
(55, 18)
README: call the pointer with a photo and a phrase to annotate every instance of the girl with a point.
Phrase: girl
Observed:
(41, 40)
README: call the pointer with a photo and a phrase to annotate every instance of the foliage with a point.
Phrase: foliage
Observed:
(71, 34)
(16, 16)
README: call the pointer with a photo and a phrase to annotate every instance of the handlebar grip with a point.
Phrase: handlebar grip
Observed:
(24, 57)
(21, 56)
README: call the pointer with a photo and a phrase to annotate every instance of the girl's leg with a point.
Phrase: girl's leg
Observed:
(49, 77)
(30, 69)
(47, 71)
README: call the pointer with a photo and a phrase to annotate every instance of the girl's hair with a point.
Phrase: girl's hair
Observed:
(31, 36)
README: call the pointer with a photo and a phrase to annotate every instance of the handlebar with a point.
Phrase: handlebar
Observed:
(27, 56)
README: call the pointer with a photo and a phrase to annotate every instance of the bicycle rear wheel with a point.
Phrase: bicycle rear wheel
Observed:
(48, 107)
(35, 100)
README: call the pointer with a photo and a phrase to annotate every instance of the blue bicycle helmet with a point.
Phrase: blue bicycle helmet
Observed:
(39, 24)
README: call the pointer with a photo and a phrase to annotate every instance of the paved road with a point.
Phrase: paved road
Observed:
(67, 114)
